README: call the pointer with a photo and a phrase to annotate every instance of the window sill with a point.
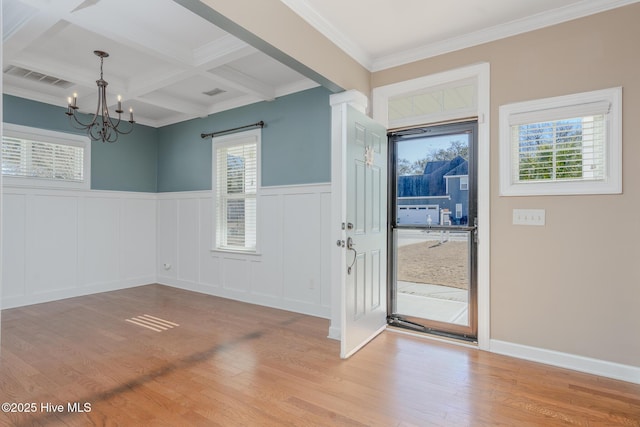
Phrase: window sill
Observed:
(40, 183)
(576, 188)
(234, 252)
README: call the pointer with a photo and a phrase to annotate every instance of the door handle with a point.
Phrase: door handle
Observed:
(350, 243)
(350, 246)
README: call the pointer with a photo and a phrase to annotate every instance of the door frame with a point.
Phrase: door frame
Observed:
(481, 74)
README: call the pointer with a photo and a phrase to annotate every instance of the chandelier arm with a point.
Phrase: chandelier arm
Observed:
(77, 124)
(84, 125)
(111, 137)
(119, 123)
(126, 132)
(94, 133)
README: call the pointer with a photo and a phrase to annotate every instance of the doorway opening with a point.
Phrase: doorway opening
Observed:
(432, 245)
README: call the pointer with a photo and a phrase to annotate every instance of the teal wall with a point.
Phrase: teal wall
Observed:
(296, 143)
(131, 164)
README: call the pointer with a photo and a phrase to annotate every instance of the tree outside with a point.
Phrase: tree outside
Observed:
(455, 149)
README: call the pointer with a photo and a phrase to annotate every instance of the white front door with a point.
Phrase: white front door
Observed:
(363, 199)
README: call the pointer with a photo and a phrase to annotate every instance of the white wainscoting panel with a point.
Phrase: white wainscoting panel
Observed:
(52, 243)
(209, 265)
(301, 242)
(291, 270)
(167, 233)
(65, 243)
(14, 251)
(100, 225)
(188, 262)
(269, 269)
(236, 275)
(138, 239)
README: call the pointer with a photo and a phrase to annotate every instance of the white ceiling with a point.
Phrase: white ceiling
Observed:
(163, 56)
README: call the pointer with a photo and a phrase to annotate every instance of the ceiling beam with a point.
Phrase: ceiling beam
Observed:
(333, 69)
(172, 103)
(235, 79)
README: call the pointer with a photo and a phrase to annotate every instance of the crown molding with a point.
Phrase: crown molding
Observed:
(326, 28)
(513, 28)
(519, 26)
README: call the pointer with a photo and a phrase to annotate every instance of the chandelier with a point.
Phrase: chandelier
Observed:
(102, 127)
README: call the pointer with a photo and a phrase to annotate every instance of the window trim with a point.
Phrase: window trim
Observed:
(53, 137)
(611, 184)
(225, 141)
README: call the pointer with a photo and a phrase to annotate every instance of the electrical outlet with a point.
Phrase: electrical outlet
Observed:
(528, 216)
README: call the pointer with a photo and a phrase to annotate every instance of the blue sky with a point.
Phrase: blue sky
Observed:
(414, 149)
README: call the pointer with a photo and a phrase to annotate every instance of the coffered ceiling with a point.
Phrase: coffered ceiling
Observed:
(167, 63)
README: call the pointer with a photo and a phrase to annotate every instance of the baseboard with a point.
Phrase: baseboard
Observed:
(569, 361)
(251, 298)
(334, 333)
(21, 301)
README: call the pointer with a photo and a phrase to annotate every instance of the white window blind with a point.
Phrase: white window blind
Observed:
(236, 187)
(37, 157)
(564, 145)
(25, 158)
(570, 149)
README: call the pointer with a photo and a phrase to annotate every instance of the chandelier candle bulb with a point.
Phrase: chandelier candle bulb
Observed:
(75, 99)
(131, 115)
(119, 104)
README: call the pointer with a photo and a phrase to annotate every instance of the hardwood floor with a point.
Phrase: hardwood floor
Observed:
(230, 363)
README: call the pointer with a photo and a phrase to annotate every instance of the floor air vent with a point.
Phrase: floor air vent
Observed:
(151, 322)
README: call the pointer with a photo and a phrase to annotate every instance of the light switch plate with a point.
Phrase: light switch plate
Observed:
(528, 217)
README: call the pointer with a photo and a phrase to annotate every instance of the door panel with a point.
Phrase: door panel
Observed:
(433, 250)
(438, 287)
(364, 294)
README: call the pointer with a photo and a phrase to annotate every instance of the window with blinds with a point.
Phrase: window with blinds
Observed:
(236, 172)
(564, 145)
(38, 157)
(571, 149)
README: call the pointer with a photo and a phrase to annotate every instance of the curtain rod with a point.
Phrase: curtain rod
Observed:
(260, 124)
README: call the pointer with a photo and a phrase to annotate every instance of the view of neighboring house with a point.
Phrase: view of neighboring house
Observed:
(440, 196)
